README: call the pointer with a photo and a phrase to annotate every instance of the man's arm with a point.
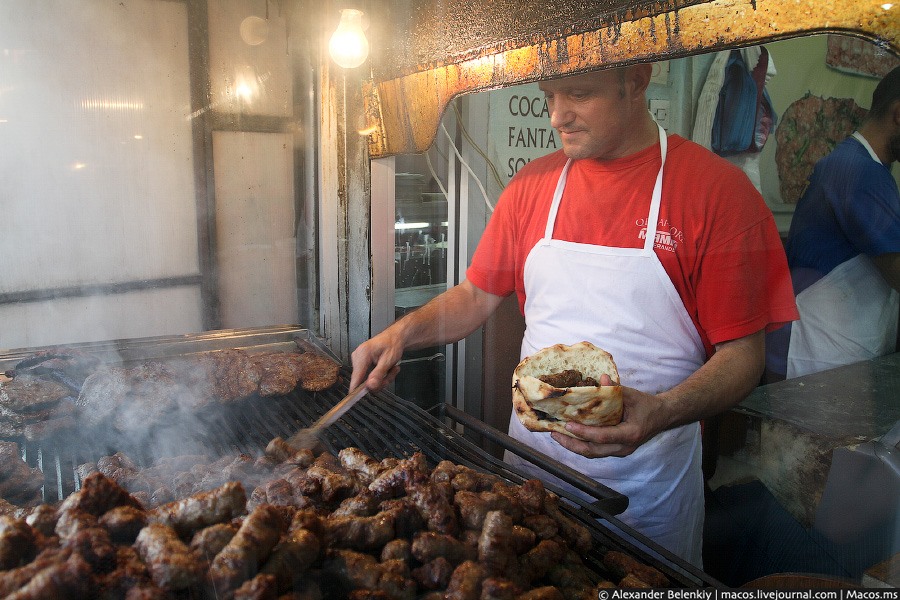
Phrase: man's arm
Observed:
(447, 318)
(724, 381)
(889, 266)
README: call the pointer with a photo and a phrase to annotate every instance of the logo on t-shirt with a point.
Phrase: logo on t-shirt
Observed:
(667, 236)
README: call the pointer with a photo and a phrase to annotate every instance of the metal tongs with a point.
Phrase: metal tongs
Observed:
(309, 437)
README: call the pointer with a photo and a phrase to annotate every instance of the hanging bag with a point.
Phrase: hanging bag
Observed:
(744, 115)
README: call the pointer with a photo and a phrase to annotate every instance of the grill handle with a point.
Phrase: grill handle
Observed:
(608, 500)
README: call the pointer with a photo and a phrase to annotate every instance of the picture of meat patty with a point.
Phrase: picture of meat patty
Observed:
(808, 130)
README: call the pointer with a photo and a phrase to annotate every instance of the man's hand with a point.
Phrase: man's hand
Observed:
(384, 352)
(638, 425)
(447, 318)
(727, 377)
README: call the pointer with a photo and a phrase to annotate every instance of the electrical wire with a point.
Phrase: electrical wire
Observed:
(468, 138)
(436, 178)
(469, 169)
(490, 163)
(431, 170)
(437, 149)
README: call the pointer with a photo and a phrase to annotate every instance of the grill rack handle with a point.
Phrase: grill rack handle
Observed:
(607, 499)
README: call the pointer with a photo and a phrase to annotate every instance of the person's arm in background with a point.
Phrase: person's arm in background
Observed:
(447, 318)
(722, 382)
(889, 266)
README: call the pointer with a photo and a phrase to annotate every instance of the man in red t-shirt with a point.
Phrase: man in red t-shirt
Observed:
(682, 305)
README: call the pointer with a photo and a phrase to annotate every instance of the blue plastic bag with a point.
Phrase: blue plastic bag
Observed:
(744, 116)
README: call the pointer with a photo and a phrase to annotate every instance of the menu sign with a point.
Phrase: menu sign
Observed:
(519, 128)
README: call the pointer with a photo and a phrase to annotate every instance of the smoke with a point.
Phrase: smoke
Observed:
(162, 408)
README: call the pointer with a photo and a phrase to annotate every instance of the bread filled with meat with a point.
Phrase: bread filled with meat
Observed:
(561, 383)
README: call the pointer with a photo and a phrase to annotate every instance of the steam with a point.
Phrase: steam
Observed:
(158, 408)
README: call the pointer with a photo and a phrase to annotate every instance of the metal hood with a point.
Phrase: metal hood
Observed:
(426, 52)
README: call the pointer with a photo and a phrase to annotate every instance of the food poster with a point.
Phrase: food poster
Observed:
(857, 56)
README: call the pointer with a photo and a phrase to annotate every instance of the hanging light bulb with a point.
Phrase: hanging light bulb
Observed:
(348, 46)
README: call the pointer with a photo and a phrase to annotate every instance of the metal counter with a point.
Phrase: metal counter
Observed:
(790, 434)
(861, 400)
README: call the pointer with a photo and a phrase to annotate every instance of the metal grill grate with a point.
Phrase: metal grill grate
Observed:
(381, 425)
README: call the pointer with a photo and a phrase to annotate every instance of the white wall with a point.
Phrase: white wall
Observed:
(255, 228)
(96, 167)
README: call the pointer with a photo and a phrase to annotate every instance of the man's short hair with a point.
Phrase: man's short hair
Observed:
(886, 93)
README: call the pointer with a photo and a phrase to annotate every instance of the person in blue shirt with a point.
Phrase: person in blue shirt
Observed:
(843, 249)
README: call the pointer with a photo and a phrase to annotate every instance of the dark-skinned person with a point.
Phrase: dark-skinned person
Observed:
(843, 250)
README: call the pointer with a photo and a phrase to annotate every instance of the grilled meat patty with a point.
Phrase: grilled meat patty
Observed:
(280, 372)
(27, 393)
(50, 393)
(317, 373)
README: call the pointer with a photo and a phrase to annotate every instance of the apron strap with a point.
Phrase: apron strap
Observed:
(557, 198)
(655, 200)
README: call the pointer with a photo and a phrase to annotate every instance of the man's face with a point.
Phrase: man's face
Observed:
(592, 114)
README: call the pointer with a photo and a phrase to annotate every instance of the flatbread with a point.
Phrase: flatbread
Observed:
(543, 407)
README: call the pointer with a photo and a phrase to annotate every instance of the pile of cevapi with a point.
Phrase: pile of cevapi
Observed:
(293, 525)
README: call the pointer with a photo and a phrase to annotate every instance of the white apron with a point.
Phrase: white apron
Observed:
(847, 316)
(622, 300)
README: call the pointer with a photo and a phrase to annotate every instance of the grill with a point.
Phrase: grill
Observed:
(381, 425)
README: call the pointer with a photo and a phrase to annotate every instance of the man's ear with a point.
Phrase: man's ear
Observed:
(895, 113)
(638, 77)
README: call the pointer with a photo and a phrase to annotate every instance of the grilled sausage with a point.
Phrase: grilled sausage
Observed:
(623, 565)
(248, 549)
(201, 510)
(17, 544)
(171, 564)
(70, 580)
(210, 541)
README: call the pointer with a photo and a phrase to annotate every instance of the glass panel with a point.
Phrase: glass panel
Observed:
(145, 193)
(421, 246)
(255, 221)
(249, 70)
(97, 170)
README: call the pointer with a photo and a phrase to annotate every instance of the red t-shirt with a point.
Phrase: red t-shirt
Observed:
(716, 239)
